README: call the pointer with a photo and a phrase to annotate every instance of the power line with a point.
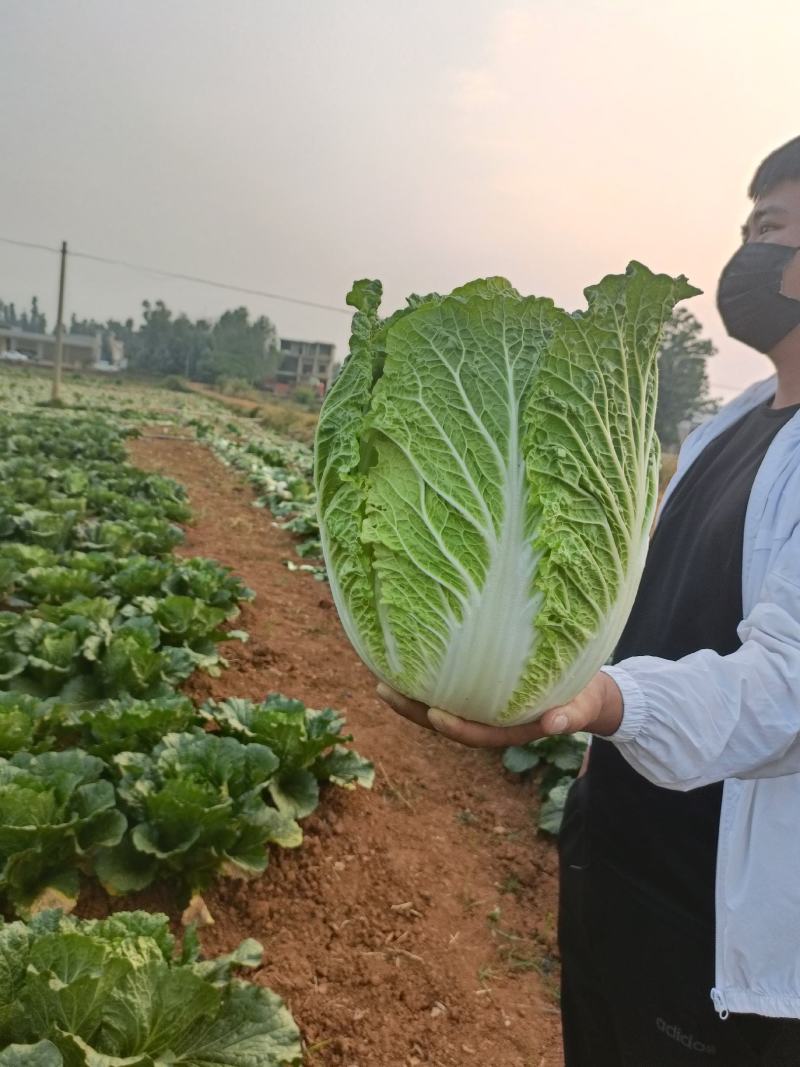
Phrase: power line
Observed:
(212, 283)
(28, 244)
(184, 277)
(230, 288)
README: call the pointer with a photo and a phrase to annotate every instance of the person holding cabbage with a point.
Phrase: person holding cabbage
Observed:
(486, 470)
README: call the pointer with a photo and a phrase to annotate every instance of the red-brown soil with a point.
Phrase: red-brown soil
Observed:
(416, 925)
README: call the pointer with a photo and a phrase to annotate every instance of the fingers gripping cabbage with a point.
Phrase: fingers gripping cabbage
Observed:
(486, 469)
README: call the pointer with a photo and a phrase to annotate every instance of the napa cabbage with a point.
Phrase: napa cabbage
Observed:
(117, 992)
(486, 470)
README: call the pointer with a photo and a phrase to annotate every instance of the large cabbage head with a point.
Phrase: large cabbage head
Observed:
(487, 469)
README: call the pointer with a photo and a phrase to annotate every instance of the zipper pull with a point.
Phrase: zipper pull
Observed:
(719, 1003)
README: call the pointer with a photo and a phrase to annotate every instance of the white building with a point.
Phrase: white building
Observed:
(81, 351)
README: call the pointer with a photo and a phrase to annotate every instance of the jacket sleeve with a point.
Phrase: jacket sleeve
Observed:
(707, 717)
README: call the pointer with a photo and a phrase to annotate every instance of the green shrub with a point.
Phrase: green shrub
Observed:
(305, 396)
(175, 383)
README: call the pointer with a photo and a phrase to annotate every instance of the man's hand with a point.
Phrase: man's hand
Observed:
(596, 709)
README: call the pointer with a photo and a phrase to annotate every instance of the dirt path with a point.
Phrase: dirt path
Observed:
(417, 924)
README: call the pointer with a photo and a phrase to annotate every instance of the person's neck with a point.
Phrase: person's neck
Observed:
(787, 365)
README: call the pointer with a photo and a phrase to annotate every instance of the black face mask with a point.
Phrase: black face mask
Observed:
(749, 296)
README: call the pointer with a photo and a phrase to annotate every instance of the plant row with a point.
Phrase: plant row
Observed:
(280, 472)
(136, 791)
(94, 780)
(96, 604)
(105, 769)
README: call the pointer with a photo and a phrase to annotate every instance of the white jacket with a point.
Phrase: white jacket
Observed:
(707, 718)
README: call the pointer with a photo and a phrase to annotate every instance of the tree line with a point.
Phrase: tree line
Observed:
(165, 343)
(234, 346)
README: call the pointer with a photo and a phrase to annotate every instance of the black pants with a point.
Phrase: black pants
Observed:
(636, 976)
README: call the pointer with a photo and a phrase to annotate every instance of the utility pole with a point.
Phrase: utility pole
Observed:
(55, 395)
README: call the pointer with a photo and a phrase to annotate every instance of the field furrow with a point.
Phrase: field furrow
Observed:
(416, 925)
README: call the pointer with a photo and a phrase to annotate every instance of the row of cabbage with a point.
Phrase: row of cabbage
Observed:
(280, 473)
(279, 470)
(107, 771)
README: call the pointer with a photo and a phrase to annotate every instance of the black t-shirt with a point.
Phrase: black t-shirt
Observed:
(690, 598)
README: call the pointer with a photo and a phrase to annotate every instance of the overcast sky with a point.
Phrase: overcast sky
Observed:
(294, 145)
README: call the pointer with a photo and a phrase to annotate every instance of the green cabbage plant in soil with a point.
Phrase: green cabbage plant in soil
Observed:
(56, 813)
(195, 809)
(202, 805)
(486, 470)
(115, 993)
(557, 761)
(309, 744)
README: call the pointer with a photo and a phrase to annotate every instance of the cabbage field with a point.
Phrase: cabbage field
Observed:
(216, 845)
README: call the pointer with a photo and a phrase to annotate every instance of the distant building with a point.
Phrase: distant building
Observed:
(81, 351)
(304, 363)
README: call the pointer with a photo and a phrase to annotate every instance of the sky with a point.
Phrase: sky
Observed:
(293, 146)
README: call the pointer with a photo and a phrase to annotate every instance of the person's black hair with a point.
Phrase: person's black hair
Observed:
(782, 165)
